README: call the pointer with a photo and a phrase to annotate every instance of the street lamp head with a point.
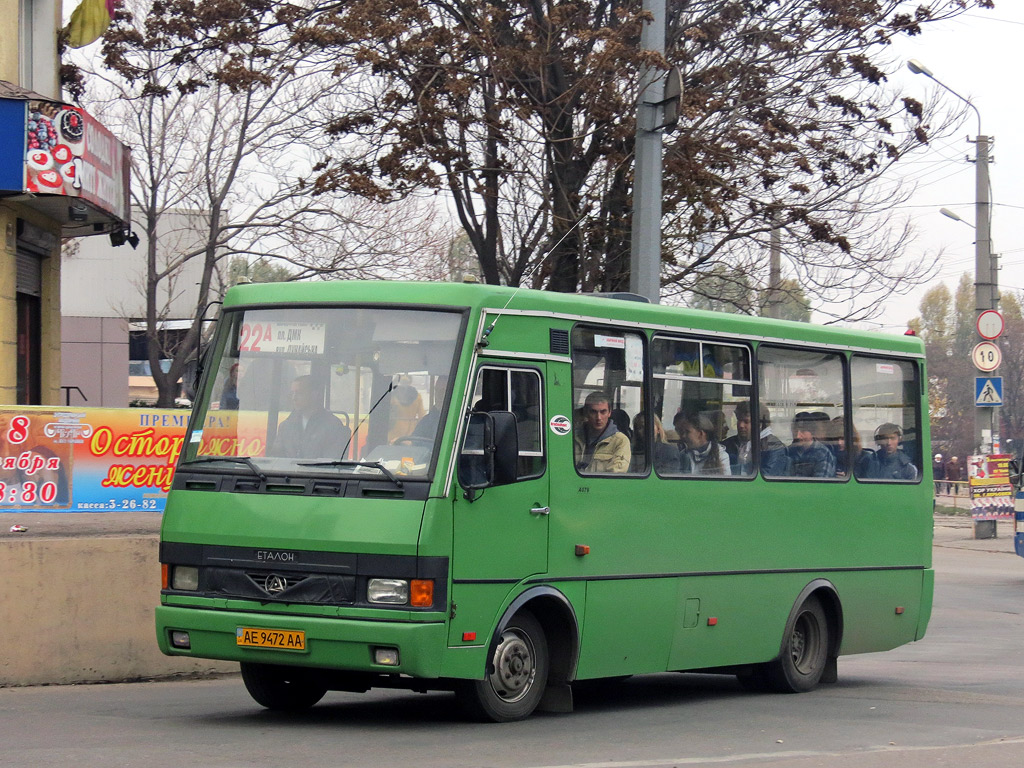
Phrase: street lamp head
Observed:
(955, 217)
(918, 68)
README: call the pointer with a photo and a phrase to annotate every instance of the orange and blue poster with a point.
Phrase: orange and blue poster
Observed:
(88, 459)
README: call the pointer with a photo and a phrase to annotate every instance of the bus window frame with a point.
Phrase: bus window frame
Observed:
(917, 364)
(844, 358)
(508, 369)
(747, 346)
(646, 403)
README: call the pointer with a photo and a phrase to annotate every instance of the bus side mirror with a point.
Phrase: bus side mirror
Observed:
(490, 452)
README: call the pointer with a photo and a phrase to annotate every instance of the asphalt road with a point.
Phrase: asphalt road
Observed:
(955, 698)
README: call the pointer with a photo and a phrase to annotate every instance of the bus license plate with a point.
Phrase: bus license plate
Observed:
(288, 639)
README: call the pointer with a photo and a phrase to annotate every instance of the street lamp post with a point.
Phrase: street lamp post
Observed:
(986, 283)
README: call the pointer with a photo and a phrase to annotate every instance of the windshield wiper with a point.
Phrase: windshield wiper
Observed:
(233, 459)
(344, 463)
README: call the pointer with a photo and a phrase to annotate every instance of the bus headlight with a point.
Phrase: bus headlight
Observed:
(388, 591)
(185, 577)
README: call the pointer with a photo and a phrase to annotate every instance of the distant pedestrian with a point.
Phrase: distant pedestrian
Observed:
(954, 472)
(939, 474)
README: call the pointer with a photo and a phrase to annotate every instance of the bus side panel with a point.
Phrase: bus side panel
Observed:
(624, 635)
(736, 619)
(474, 613)
(881, 609)
(927, 596)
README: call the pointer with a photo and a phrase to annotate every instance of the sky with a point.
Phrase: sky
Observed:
(980, 55)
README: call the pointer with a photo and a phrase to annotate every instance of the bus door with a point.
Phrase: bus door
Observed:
(501, 537)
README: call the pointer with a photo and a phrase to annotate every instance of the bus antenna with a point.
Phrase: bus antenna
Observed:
(483, 342)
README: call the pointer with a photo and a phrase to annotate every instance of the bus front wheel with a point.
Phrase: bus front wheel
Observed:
(282, 688)
(517, 675)
(804, 653)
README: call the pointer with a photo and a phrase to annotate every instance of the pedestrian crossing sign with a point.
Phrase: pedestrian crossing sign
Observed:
(988, 390)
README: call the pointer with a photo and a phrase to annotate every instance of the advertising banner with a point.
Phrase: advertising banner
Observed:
(64, 151)
(88, 459)
(991, 490)
(68, 152)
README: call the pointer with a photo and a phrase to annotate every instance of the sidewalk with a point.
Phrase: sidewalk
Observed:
(79, 524)
(958, 532)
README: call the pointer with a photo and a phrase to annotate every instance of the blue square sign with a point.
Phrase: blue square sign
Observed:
(988, 390)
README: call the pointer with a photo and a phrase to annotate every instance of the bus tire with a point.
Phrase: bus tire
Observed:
(516, 678)
(804, 654)
(281, 688)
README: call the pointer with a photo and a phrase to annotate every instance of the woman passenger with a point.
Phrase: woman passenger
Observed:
(702, 453)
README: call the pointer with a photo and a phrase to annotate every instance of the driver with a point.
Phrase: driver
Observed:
(310, 431)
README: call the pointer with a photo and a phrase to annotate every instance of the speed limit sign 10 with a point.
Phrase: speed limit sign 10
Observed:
(986, 356)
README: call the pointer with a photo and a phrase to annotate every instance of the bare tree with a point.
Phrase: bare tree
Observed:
(523, 112)
(234, 152)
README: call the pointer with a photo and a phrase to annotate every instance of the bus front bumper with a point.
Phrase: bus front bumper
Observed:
(345, 644)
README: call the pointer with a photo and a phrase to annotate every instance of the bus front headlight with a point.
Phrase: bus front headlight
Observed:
(185, 577)
(388, 591)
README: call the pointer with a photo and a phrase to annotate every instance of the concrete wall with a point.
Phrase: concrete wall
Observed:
(94, 352)
(81, 610)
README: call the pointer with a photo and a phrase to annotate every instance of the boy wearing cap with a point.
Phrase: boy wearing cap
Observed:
(888, 462)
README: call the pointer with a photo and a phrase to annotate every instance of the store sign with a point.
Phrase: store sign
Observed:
(88, 459)
(66, 152)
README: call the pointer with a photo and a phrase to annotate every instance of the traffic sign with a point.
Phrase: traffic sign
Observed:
(988, 391)
(990, 324)
(986, 356)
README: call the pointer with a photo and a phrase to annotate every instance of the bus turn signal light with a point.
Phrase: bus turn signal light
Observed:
(421, 593)
(164, 575)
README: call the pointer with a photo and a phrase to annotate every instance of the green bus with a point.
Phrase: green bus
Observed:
(499, 492)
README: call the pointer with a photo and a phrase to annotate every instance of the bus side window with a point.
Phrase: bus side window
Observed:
(702, 396)
(608, 393)
(518, 390)
(802, 394)
(886, 429)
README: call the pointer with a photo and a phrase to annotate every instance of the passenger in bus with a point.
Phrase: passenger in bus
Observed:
(741, 459)
(702, 453)
(845, 459)
(310, 431)
(888, 462)
(600, 447)
(808, 456)
(774, 458)
(406, 410)
(666, 456)
(229, 393)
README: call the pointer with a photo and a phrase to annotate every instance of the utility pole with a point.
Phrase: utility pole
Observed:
(774, 297)
(645, 242)
(986, 283)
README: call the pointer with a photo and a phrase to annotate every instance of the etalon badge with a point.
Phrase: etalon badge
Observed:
(274, 584)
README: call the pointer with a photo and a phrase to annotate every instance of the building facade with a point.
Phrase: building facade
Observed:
(62, 175)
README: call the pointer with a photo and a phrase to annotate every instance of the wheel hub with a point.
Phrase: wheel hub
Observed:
(514, 667)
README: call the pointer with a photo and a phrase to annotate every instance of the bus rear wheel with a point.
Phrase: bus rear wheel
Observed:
(516, 678)
(804, 653)
(282, 688)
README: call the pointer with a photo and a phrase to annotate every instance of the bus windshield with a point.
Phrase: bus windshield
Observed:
(326, 390)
